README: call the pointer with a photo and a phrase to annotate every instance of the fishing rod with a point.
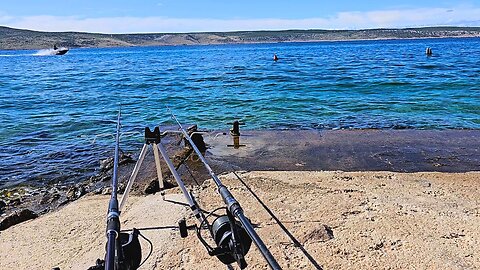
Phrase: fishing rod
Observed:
(123, 250)
(225, 229)
(232, 233)
(113, 217)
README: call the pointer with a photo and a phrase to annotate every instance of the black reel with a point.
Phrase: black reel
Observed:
(132, 253)
(230, 251)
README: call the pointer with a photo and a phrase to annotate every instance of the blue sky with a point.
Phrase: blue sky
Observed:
(122, 16)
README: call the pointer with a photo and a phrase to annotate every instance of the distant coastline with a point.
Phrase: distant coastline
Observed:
(19, 39)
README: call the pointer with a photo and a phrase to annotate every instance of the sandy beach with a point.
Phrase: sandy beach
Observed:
(344, 220)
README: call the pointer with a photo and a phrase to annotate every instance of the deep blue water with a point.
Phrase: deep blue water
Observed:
(52, 107)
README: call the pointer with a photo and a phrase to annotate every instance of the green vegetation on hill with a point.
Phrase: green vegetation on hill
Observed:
(15, 39)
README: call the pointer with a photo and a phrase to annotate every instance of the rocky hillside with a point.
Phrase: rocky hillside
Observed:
(14, 39)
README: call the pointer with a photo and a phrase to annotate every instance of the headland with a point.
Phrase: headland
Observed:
(19, 39)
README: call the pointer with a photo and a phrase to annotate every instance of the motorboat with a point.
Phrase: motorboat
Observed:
(60, 50)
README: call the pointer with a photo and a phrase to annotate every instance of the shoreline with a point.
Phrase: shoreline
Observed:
(253, 43)
(411, 151)
(346, 150)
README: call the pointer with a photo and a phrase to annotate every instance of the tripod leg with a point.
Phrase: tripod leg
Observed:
(133, 176)
(193, 206)
(159, 170)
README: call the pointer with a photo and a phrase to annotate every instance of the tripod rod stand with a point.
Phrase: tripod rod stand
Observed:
(153, 139)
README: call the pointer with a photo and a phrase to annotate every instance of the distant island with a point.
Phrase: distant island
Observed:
(18, 39)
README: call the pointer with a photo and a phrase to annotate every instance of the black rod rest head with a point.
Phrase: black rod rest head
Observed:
(152, 137)
(235, 130)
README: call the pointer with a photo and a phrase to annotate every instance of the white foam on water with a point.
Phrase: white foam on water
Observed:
(45, 52)
(14, 55)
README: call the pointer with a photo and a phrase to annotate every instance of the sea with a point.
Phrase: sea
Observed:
(58, 113)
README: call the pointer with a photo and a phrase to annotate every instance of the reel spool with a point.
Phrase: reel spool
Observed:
(222, 234)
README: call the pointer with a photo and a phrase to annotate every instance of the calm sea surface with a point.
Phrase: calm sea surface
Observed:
(53, 107)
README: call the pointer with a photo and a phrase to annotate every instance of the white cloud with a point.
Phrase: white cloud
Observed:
(344, 20)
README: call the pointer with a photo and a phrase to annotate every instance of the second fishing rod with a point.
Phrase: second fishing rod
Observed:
(234, 210)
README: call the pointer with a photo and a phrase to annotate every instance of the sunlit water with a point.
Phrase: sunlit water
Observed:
(53, 107)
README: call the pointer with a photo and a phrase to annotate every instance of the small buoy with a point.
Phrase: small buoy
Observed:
(275, 57)
(428, 51)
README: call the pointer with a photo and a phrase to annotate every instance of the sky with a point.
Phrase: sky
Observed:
(173, 16)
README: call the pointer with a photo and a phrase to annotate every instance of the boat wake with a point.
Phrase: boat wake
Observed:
(54, 51)
(14, 55)
(46, 52)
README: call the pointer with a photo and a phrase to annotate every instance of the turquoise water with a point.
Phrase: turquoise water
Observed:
(52, 107)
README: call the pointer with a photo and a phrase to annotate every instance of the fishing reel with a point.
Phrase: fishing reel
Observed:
(129, 256)
(231, 238)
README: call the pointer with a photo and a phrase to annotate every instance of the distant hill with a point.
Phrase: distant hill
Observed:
(16, 39)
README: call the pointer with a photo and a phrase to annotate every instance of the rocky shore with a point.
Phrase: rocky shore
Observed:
(22, 203)
(346, 150)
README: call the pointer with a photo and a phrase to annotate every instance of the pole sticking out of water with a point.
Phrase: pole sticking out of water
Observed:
(428, 51)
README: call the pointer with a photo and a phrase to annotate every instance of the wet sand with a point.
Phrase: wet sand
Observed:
(352, 150)
(331, 150)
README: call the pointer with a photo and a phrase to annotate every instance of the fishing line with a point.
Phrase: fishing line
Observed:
(232, 232)
(199, 228)
(296, 243)
(191, 174)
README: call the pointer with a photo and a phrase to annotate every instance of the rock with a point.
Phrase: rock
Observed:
(49, 198)
(80, 192)
(17, 217)
(71, 194)
(2, 205)
(14, 202)
(125, 159)
(106, 164)
(322, 234)
(63, 202)
(152, 187)
(106, 190)
(106, 177)
(121, 188)
(75, 192)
